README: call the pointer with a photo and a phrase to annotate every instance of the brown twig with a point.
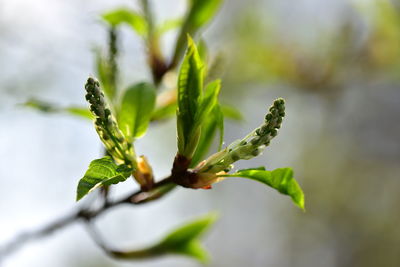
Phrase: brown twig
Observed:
(23, 238)
(160, 189)
(86, 214)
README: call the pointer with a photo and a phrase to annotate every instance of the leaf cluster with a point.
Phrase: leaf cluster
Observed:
(121, 117)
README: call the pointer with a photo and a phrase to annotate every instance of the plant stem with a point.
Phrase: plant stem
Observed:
(23, 238)
(155, 56)
(148, 14)
(118, 254)
(160, 189)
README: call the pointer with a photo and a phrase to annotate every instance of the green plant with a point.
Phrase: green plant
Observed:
(122, 116)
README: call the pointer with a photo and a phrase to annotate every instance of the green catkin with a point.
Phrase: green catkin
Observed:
(106, 125)
(250, 146)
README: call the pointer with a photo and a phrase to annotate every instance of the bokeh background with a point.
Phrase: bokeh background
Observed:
(337, 64)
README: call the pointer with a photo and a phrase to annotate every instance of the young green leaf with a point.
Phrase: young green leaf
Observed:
(190, 86)
(168, 25)
(101, 172)
(231, 112)
(213, 123)
(216, 67)
(199, 13)
(279, 179)
(193, 115)
(130, 17)
(166, 105)
(184, 240)
(82, 112)
(203, 51)
(42, 106)
(47, 107)
(209, 101)
(220, 124)
(136, 110)
(165, 112)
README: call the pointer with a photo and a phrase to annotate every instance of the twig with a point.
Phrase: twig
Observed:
(139, 197)
(23, 238)
(120, 254)
(156, 58)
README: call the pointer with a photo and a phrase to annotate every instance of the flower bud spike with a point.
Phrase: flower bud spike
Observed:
(250, 146)
(106, 125)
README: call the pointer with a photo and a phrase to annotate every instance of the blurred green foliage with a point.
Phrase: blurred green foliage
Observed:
(348, 159)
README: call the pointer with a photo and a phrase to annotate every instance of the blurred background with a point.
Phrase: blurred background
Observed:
(337, 64)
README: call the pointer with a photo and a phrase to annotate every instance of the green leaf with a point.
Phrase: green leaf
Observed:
(195, 250)
(194, 109)
(231, 112)
(165, 112)
(80, 112)
(42, 106)
(199, 13)
(136, 110)
(47, 107)
(184, 239)
(130, 17)
(208, 121)
(168, 25)
(220, 123)
(212, 123)
(203, 50)
(190, 84)
(279, 179)
(101, 172)
(216, 67)
(261, 168)
(209, 101)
